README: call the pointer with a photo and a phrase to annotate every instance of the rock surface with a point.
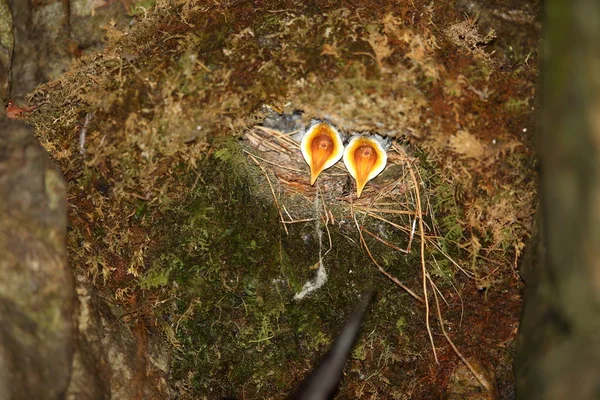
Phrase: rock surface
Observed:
(7, 42)
(36, 289)
(50, 35)
(114, 360)
(54, 344)
(57, 340)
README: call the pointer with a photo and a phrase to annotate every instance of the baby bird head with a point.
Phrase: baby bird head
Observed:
(321, 147)
(365, 157)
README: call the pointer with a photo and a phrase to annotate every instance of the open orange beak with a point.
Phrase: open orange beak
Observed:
(364, 158)
(321, 147)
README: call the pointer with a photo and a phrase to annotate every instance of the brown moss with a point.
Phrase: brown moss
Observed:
(165, 93)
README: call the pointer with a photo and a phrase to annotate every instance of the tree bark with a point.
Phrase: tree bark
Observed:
(558, 354)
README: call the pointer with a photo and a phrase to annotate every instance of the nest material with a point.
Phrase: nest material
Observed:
(278, 155)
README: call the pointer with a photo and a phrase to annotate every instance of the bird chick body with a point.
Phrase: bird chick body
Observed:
(321, 147)
(365, 157)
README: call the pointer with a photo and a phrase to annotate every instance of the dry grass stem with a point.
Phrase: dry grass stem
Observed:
(326, 223)
(437, 289)
(384, 241)
(379, 267)
(272, 145)
(297, 221)
(287, 213)
(423, 268)
(462, 303)
(384, 210)
(395, 225)
(284, 137)
(464, 271)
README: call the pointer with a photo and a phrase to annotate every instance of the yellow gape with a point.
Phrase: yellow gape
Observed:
(321, 147)
(364, 158)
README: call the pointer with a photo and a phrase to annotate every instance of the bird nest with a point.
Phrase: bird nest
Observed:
(394, 200)
(389, 202)
(276, 152)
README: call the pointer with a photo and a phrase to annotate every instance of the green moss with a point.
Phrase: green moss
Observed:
(447, 215)
(516, 105)
(158, 275)
(164, 193)
(141, 6)
(400, 325)
(359, 352)
(230, 266)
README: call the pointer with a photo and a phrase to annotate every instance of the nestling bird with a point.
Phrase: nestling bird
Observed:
(365, 157)
(321, 147)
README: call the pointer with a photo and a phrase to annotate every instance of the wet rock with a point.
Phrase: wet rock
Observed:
(463, 385)
(36, 288)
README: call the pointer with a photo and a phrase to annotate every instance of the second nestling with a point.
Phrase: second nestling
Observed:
(364, 156)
